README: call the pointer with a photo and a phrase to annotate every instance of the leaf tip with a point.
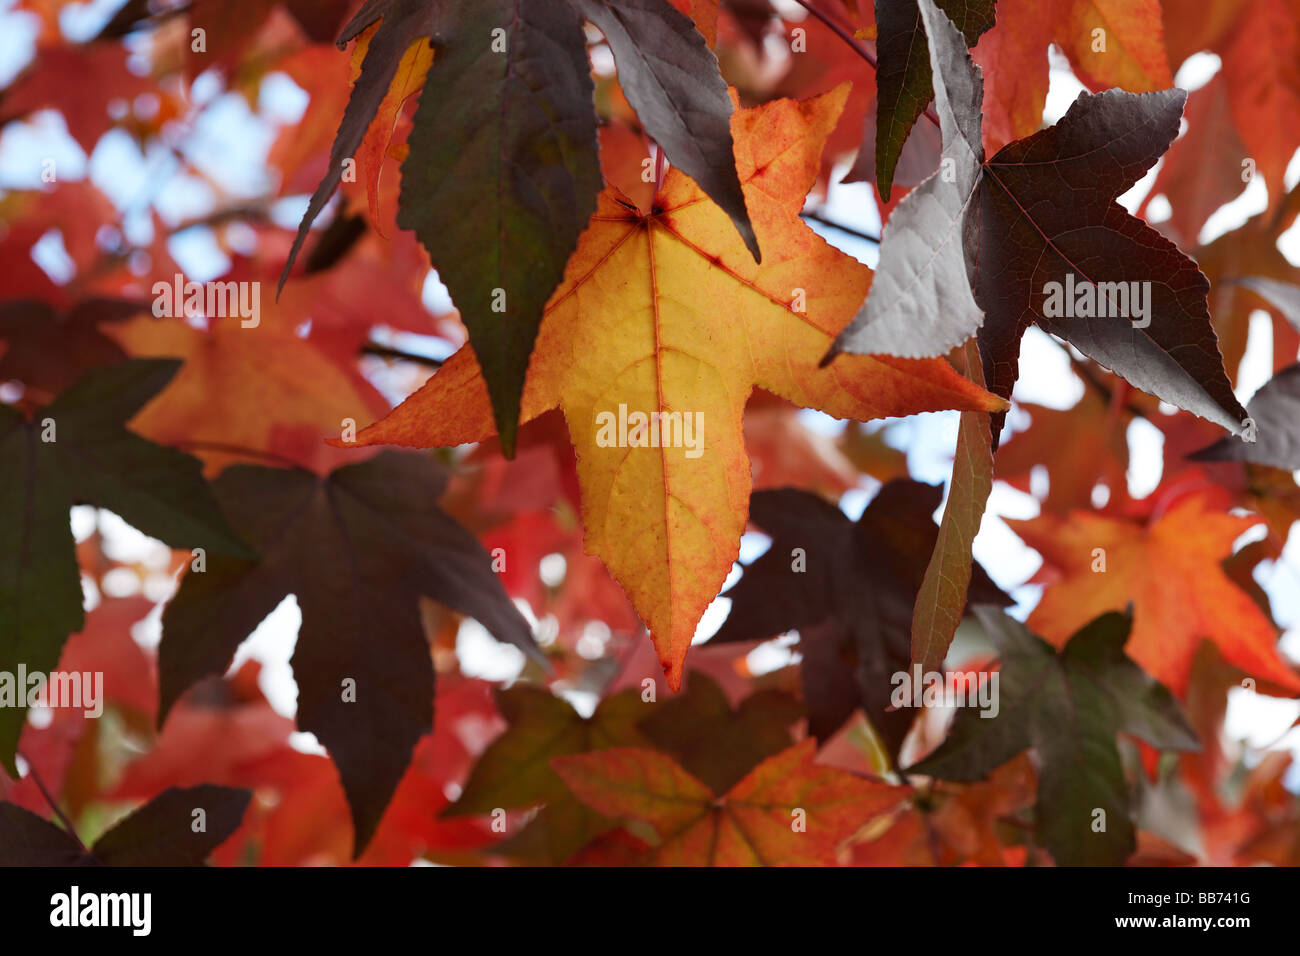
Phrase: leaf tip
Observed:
(673, 672)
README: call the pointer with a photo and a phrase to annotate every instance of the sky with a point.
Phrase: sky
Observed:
(230, 144)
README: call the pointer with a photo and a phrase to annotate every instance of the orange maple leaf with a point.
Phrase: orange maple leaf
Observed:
(667, 314)
(1170, 571)
(705, 15)
(1108, 42)
(217, 406)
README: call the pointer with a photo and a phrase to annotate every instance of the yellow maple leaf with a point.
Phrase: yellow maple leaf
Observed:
(667, 312)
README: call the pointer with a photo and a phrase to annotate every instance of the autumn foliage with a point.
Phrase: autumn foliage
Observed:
(526, 351)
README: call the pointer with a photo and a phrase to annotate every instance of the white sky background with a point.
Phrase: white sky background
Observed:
(231, 145)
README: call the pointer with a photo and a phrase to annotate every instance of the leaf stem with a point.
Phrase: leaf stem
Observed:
(49, 798)
(926, 808)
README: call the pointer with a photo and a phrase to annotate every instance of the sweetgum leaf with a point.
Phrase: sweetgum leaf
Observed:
(403, 23)
(714, 742)
(514, 773)
(1275, 410)
(503, 174)
(669, 312)
(1068, 707)
(942, 598)
(849, 590)
(749, 824)
(671, 78)
(29, 840)
(903, 77)
(974, 248)
(160, 833)
(91, 459)
(357, 548)
(1283, 296)
(50, 349)
(1048, 207)
(1170, 567)
(921, 301)
(503, 169)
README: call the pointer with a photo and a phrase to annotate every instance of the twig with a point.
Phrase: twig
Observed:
(839, 227)
(852, 41)
(386, 351)
(63, 818)
(840, 31)
(254, 211)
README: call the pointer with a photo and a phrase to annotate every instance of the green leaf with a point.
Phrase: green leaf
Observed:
(700, 730)
(502, 176)
(503, 169)
(1068, 708)
(903, 78)
(1145, 708)
(514, 773)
